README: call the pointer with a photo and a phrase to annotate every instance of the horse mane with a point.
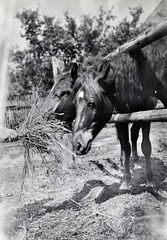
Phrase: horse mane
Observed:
(124, 76)
(94, 62)
(126, 79)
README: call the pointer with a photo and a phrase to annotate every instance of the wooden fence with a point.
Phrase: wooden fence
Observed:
(17, 109)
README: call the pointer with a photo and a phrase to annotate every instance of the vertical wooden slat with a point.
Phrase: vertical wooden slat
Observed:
(16, 110)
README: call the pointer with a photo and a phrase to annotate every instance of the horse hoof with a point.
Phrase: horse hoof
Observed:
(150, 184)
(137, 166)
(150, 187)
(124, 187)
(162, 193)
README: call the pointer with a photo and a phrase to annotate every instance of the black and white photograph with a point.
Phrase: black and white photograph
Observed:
(83, 120)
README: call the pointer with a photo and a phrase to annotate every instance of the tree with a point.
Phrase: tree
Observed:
(47, 37)
(127, 30)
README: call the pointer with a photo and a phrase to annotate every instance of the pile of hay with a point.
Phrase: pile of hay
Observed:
(42, 137)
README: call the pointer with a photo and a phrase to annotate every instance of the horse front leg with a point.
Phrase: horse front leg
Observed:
(134, 136)
(123, 135)
(146, 149)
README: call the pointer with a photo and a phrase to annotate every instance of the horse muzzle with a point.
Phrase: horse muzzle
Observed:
(82, 141)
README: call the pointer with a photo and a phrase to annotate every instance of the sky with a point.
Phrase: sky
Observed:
(10, 26)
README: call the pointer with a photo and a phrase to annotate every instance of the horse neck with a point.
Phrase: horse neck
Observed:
(109, 87)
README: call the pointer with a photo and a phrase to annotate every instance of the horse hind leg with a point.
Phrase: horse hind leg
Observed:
(122, 153)
(146, 149)
(134, 136)
(122, 159)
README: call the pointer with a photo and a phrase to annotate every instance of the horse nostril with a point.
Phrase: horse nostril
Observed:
(78, 146)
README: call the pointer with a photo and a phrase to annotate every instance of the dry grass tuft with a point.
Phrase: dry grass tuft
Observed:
(42, 137)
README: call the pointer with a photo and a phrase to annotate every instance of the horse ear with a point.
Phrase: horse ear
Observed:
(58, 67)
(103, 74)
(74, 72)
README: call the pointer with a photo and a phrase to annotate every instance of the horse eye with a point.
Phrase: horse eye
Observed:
(91, 104)
(58, 95)
(63, 93)
(68, 92)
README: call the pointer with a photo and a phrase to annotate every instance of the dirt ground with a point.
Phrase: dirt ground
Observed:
(80, 201)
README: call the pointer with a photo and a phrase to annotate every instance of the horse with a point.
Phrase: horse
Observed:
(103, 86)
(59, 102)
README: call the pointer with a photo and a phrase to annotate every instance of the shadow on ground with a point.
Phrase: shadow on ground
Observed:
(40, 208)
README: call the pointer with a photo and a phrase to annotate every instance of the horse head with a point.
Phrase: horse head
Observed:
(93, 107)
(59, 102)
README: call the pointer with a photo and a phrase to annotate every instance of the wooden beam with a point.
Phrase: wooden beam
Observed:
(149, 36)
(156, 115)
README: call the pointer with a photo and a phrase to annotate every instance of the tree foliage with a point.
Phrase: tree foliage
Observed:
(31, 69)
(127, 30)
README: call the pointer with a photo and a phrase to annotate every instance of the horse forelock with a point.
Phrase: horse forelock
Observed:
(87, 79)
(89, 88)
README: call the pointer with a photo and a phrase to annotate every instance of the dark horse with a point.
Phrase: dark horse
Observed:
(128, 87)
(59, 102)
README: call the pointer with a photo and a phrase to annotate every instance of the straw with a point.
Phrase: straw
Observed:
(42, 137)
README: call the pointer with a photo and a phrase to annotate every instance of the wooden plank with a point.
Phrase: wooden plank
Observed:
(18, 107)
(149, 36)
(156, 115)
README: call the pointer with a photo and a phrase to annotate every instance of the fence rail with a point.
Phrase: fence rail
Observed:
(157, 115)
(149, 36)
